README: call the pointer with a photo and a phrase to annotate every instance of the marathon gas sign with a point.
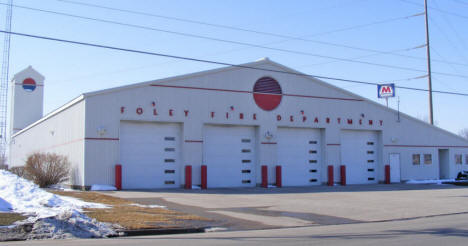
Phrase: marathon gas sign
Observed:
(386, 90)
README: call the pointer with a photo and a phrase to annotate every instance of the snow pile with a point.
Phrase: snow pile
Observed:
(60, 214)
(430, 181)
(4, 206)
(69, 225)
(102, 187)
(26, 197)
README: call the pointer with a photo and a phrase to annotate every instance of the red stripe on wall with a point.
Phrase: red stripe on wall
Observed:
(200, 88)
(111, 139)
(194, 141)
(35, 84)
(60, 145)
(268, 142)
(73, 141)
(425, 146)
(250, 92)
(334, 144)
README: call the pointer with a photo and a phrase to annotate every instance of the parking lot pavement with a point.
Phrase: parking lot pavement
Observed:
(257, 208)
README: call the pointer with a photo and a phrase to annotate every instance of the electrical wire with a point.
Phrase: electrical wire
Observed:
(287, 37)
(437, 9)
(234, 27)
(241, 43)
(215, 62)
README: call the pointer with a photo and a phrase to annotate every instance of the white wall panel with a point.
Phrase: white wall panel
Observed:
(62, 134)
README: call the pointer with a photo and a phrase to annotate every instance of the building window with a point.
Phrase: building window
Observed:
(416, 159)
(458, 159)
(427, 159)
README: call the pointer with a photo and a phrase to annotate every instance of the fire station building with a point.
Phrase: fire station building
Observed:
(239, 126)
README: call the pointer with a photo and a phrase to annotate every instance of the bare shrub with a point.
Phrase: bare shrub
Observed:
(18, 171)
(47, 169)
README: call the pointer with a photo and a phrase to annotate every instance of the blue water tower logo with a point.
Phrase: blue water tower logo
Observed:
(29, 84)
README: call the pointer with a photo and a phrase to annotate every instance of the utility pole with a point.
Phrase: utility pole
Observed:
(428, 50)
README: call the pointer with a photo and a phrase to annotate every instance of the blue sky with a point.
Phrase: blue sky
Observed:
(71, 70)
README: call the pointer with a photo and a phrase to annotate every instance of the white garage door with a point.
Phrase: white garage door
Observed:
(229, 153)
(150, 155)
(359, 154)
(299, 155)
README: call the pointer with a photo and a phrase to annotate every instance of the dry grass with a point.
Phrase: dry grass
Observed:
(10, 218)
(130, 216)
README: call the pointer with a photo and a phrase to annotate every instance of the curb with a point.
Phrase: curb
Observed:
(146, 232)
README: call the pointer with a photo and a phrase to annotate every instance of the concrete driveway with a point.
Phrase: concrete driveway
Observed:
(258, 208)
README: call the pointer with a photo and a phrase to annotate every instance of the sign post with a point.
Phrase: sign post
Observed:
(386, 91)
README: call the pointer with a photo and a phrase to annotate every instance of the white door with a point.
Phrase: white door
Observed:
(299, 155)
(230, 156)
(150, 155)
(359, 155)
(394, 168)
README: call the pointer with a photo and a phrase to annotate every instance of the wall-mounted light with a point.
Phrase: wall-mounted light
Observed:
(394, 139)
(268, 135)
(101, 131)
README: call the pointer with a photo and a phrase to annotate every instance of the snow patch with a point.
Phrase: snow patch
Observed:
(430, 181)
(60, 187)
(102, 187)
(196, 187)
(215, 229)
(147, 206)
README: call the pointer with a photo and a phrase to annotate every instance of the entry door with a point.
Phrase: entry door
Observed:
(444, 168)
(299, 151)
(230, 156)
(395, 168)
(150, 155)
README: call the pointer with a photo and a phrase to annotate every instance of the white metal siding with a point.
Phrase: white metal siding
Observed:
(150, 155)
(359, 153)
(230, 156)
(61, 134)
(299, 155)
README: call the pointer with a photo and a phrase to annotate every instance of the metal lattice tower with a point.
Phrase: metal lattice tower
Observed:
(4, 84)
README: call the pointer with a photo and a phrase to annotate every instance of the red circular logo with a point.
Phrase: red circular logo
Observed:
(267, 93)
(29, 84)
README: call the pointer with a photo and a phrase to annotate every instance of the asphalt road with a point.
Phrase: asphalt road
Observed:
(435, 230)
(258, 208)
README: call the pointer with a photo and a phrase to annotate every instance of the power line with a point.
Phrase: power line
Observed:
(217, 39)
(460, 2)
(452, 44)
(287, 37)
(437, 9)
(234, 27)
(213, 62)
(239, 43)
(457, 35)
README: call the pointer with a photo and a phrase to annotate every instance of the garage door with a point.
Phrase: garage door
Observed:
(299, 155)
(359, 154)
(229, 153)
(150, 155)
